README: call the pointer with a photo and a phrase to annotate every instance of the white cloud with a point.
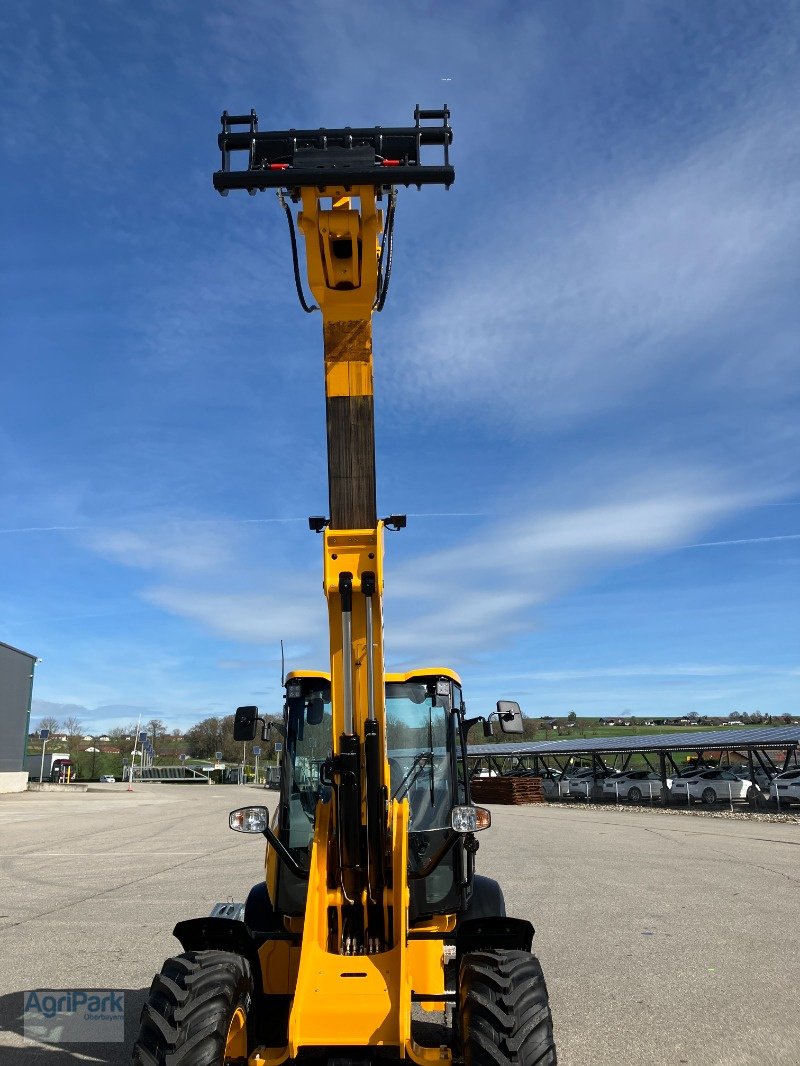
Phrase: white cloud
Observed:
(551, 311)
(291, 613)
(174, 547)
(464, 600)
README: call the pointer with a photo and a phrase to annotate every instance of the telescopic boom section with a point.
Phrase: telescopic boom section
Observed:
(339, 177)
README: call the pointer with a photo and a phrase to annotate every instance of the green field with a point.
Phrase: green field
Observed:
(587, 729)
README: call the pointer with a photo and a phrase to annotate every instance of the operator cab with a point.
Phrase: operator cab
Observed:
(426, 750)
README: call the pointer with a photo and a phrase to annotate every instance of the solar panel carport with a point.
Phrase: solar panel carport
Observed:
(770, 747)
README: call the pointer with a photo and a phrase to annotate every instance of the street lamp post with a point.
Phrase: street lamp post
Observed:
(43, 735)
(133, 755)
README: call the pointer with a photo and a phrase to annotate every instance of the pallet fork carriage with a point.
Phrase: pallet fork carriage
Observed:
(370, 904)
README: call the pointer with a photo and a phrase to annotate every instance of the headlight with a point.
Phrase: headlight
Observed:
(249, 819)
(468, 819)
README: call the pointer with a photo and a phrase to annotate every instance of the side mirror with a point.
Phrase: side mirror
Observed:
(249, 819)
(510, 716)
(469, 819)
(245, 723)
(316, 711)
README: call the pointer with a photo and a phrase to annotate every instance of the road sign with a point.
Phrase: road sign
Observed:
(44, 734)
(256, 749)
(278, 746)
(218, 755)
(142, 738)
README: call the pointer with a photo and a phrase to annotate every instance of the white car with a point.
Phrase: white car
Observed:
(551, 786)
(107, 779)
(786, 787)
(634, 786)
(583, 784)
(712, 786)
(762, 779)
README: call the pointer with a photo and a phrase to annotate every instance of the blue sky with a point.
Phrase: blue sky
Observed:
(587, 372)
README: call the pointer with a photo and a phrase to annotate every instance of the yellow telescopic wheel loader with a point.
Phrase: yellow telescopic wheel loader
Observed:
(370, 916)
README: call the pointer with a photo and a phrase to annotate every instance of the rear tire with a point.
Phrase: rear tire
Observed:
(195, 1008)
(709, 796)
(504, 1011)
(634, 795)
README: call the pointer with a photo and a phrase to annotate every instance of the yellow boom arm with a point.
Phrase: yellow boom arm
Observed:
(357, 967)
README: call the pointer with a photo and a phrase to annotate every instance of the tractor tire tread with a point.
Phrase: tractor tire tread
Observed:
(185, 1019)
(505, 1014)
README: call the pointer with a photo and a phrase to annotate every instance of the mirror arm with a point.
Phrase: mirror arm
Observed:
(470, 722)
(505, 716)
(435, 859)
(285, 855)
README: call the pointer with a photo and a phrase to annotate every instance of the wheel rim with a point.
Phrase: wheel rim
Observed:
(236, 1040)
(709, 796)
(634, 795)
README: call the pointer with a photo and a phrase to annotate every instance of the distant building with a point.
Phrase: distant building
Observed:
(16, 687)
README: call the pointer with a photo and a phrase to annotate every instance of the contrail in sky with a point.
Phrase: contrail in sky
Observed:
(436, 514)
(744, 540)
(43, 529)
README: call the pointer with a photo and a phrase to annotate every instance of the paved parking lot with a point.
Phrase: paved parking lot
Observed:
(664, 939)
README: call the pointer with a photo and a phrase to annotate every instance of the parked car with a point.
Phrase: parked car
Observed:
(551, 784)
(633, 785)
(710, 786)
(588, 783)
(786, 787)
(685, 776)
(762, 778)
(578, 782)
(107, 779)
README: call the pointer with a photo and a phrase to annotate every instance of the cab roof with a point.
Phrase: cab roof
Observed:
(409, 675)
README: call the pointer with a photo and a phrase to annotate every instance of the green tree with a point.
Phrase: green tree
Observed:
(211, 735)
(117, 736)
(73, 727)
(155, 730)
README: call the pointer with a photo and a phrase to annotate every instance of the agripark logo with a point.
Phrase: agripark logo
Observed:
(74, 1016)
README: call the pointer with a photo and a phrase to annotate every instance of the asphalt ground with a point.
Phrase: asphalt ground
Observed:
(663, 939)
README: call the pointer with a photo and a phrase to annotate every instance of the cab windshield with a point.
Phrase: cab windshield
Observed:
(424, 749)
(418, 750)
(308, 745)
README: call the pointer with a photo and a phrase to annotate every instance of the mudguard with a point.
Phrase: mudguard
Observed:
(223, 934)
(494, 932)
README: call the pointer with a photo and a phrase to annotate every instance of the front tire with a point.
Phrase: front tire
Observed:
(197, 1012)
(634, 795)
(504, 1011)
(709, 796)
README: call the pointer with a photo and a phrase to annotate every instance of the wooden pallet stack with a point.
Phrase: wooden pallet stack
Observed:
(508, 790)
